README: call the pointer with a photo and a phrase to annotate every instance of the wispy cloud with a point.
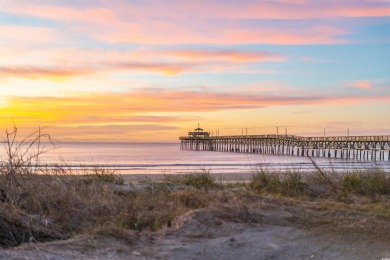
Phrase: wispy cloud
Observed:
(221, 35)
(105, 132)
(362, 84)
(27, 35)
(41, 72)
(128, 106)
(126, 112)
(155, 67)
(218, 22)
(372, 84)
(226, 55)
(126, 22)
(48, 63)
(313, 59)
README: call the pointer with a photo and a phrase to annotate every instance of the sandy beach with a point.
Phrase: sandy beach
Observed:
(219, 177)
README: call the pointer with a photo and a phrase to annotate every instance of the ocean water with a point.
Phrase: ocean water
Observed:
(167, 158)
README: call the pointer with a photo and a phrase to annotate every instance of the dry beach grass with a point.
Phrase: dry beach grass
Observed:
(99, 214)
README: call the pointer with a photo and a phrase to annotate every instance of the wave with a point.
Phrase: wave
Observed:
(283, 165)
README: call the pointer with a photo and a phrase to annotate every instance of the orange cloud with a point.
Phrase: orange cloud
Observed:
(41, 72)
(168, 69)
(112, 133)
(154, 110)
(108, 133)
(134, 106)
(35, 72)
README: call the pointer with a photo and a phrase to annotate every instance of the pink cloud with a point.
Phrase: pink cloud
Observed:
(225, 54)
(362, 84)
(312, 59)
(311, 35)
(28, 35)
(39, 63)
(296, 10)
(152, 32)
(377, 84)
(65, 14)
(126, 23)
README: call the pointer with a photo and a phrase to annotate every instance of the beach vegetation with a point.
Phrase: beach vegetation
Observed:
(101, 174)
(287, 184)
(202, 179)
(370, 183)
(42, 203)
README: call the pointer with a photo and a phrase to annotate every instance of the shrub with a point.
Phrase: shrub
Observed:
(293, 184)
(352, 183)
(199, 180)
(192, 199)
(371, 183)
(104, 175)
(263, 181)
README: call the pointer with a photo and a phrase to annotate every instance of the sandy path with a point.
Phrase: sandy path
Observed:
(269, 242)
(269, 229)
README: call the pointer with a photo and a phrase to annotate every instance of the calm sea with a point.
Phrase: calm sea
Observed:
(166, 158)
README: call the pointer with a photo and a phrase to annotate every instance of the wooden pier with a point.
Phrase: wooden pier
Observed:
(347, 147)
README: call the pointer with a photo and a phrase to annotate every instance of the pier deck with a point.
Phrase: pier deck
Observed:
(348, 147)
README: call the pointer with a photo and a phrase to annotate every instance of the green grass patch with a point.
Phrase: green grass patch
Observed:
(200, 180)
(287, 184)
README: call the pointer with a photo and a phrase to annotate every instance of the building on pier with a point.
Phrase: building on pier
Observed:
(198, 133)
(347, 147)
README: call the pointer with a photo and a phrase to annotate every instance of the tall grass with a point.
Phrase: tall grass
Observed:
(288, 184)
(43, 203)
(371, 183)
(201, 180)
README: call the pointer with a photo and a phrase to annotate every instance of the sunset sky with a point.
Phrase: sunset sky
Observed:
(149, 71)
